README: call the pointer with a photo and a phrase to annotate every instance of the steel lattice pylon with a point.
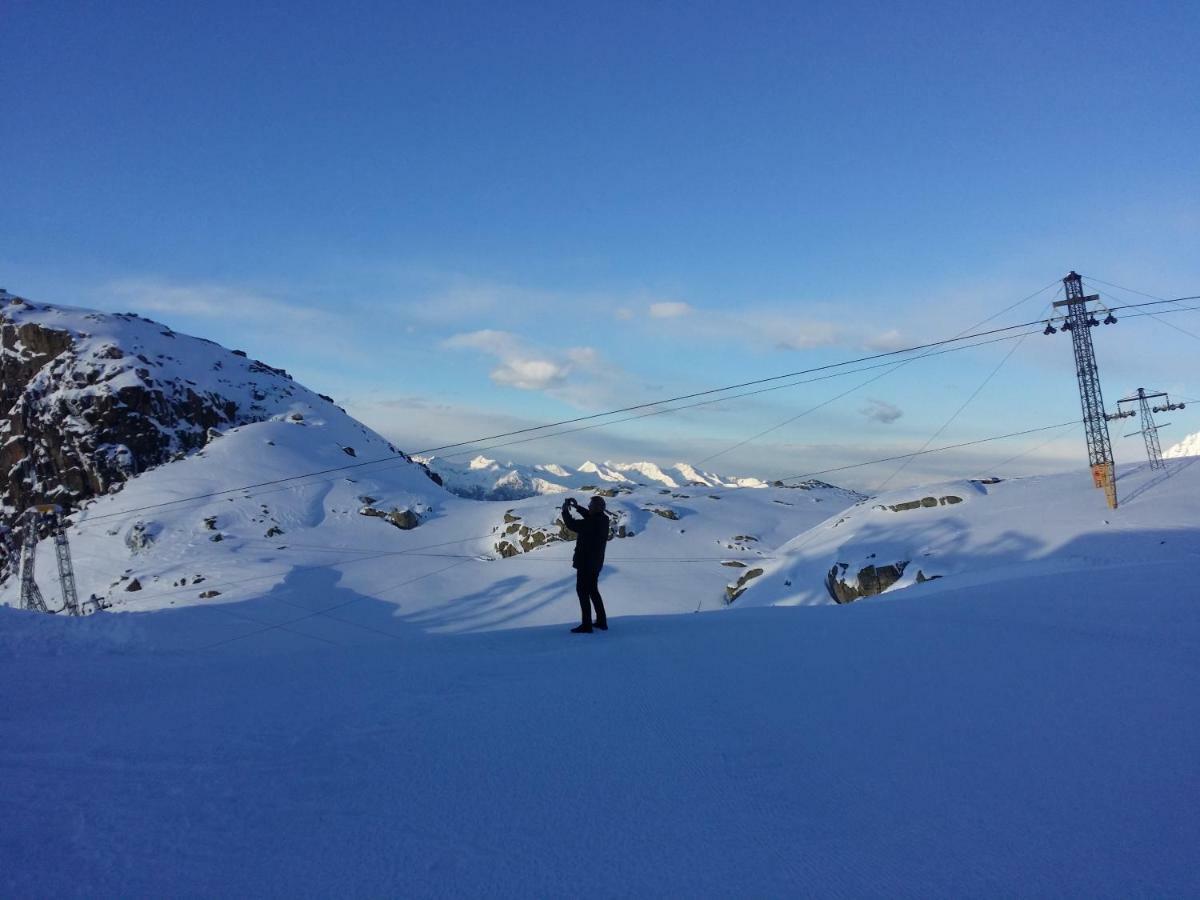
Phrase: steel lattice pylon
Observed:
(31, 594)
(1150, 432)
(1079, 322)
(1150, 428)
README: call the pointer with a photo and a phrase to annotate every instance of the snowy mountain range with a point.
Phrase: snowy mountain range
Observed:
(486, 479)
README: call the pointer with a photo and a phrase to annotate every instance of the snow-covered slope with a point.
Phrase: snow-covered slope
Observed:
(1189, 446)
(486, 479)
(207, 512)
(1033, 735)
(964, 533)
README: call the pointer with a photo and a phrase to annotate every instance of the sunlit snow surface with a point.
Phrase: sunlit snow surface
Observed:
(1189, 446)
(1027, 725)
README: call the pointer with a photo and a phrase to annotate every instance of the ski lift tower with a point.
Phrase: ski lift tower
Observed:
(31, 594)
(1149, 430)
(1079, 320)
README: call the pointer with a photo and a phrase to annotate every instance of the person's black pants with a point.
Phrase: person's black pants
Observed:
(587, 586)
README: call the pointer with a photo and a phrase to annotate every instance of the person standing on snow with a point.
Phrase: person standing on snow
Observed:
(591, 538)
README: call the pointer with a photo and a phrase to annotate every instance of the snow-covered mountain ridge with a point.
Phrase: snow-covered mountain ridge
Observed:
(1189, 446)
(89, 400)
(95, 403)
(487, 479)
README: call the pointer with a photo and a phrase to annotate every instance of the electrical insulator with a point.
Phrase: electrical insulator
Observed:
(1050, 329)
(1066, 326)
(1092, 323)
(1110, 319)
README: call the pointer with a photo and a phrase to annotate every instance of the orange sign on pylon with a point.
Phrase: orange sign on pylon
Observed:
(1103, 477)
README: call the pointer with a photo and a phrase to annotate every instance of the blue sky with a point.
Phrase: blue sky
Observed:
(459, 218)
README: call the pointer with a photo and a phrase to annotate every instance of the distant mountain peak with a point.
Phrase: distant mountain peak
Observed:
(486, 479)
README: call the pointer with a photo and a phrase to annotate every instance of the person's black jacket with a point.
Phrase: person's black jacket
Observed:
(592, 531)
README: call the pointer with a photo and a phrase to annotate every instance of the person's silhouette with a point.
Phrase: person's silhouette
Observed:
(591, 529)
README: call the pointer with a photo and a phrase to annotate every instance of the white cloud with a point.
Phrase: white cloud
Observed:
(205, 301)
(669, 309)
(886, 341)
(881, 411)
(521, 365)
(789, 333)
(529, 374)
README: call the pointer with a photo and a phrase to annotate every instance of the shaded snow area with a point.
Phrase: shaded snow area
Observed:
(486, 479)
(1028, 724)
(1037, 737)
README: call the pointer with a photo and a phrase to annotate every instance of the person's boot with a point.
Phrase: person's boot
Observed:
(601, 617)
(584, 628)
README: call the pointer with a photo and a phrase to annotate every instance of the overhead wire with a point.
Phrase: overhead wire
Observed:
(958, 412)
(258, 488)
(873, 462)
(654, 407)
(656, 403)
(1033, 449)
(869, 381)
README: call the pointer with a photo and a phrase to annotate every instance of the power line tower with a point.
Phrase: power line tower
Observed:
(31, 594)
(1149, 430)
(1079, 321)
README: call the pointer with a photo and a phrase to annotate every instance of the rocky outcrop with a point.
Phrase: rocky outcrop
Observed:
(923, 503)
(869, 581)
(404, 519)
(735, 590)
(516, 536)
(65, 446)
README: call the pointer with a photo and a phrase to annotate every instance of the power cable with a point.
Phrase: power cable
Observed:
(1033, 449)
(954, 416)
(733, 396)
(898, 366)
(873, 462)
(406, 458)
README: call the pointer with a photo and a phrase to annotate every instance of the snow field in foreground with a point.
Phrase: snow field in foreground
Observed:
(1038, 737)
